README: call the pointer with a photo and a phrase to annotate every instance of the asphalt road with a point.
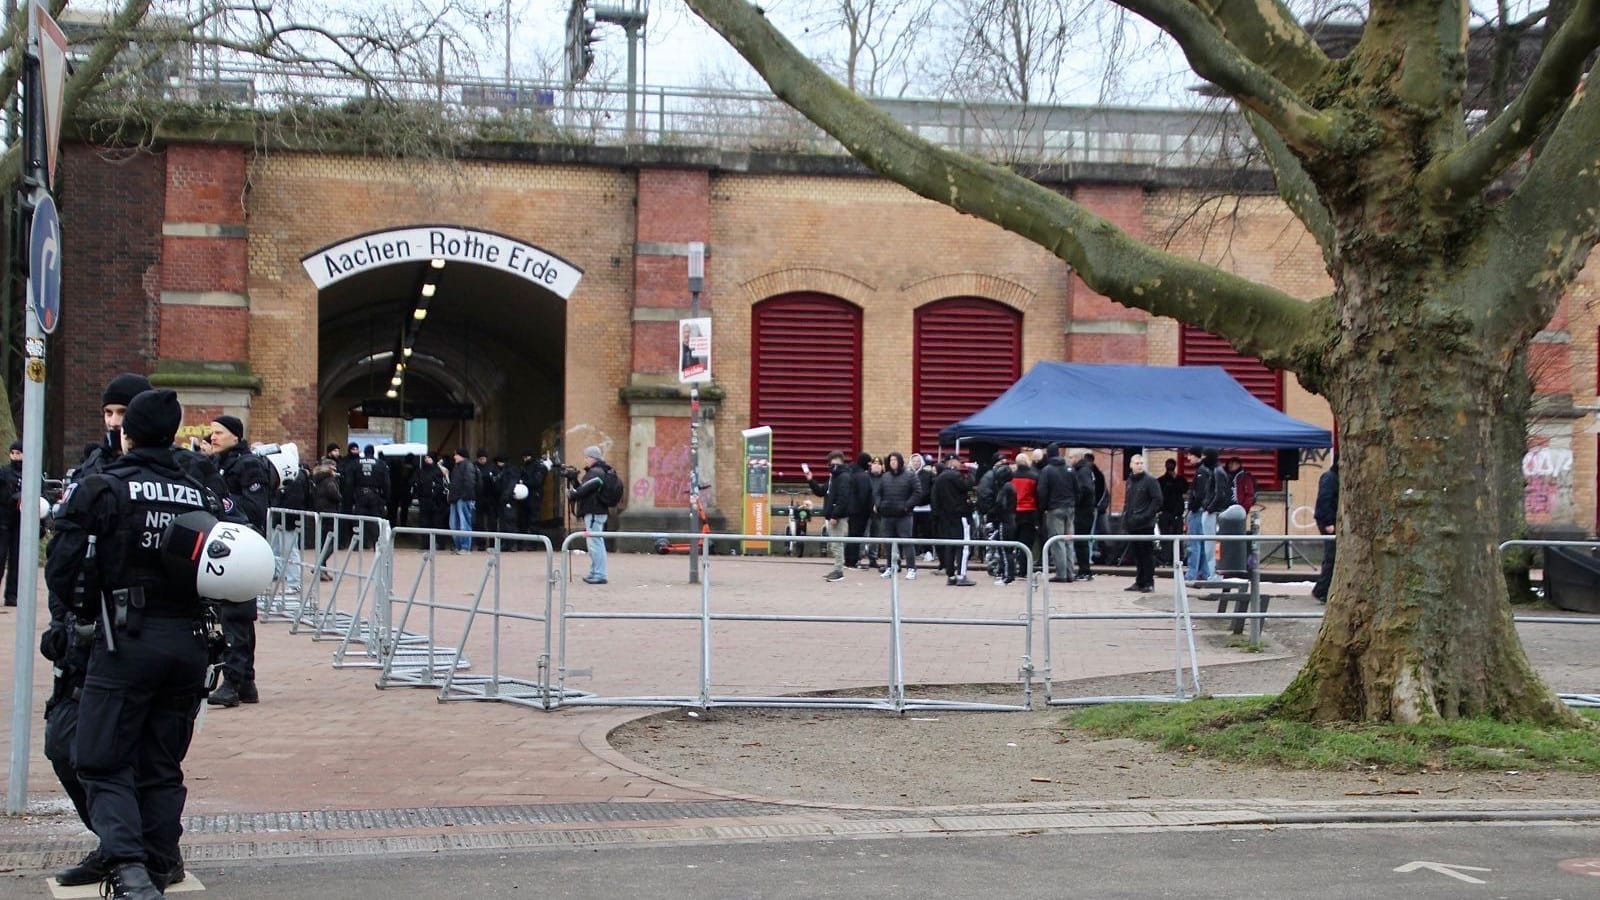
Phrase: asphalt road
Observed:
(1323, 863)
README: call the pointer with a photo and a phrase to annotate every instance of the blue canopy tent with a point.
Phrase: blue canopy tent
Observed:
(1090, 405)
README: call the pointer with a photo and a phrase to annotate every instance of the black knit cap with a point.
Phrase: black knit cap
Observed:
(153, 418)
(231, 423)
(124, 388)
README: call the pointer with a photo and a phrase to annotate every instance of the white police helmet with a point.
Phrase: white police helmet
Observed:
(519, 491)
(44, 508)
(227, 561)
(283, 457)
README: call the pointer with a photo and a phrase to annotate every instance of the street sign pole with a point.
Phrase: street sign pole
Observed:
(44, 255)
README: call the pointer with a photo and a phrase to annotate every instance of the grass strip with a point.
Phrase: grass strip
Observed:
(1241, 730)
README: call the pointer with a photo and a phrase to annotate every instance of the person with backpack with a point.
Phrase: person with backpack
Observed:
(593, 495)
(1244, 484)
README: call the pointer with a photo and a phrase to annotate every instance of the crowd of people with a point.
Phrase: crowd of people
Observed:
(1026, 497)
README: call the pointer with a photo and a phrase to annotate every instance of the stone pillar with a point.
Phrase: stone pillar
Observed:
(674, 210)
(203, 341)
(1098, 329)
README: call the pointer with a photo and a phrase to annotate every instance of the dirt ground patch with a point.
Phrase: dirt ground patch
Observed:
(941, 758)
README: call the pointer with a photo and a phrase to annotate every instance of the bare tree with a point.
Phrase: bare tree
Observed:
(340, 75)
(882, 40)
(1441, 281)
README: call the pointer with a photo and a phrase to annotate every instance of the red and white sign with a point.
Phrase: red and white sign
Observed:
(49, 47)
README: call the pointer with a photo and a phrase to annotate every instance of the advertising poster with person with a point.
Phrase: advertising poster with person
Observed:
(694, 351)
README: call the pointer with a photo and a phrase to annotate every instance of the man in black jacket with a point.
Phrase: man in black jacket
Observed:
(1202, 563)
(463, 499)
(1139, 510)
(585, 493)
(1084, 512)
(838, 500)
(249, 481)
(486, 514)
(1058, 497)
(952, 519)
(860, 507)
(1173, 489)
(1326, 514)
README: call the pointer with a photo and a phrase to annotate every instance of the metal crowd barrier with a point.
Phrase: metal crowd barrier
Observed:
(423, 662)
(365, 583)
(895, 618)
(357, 570)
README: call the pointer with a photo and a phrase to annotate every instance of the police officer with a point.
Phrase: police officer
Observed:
(68, 653)
(369, 483)
(249, 481)
(146, 671)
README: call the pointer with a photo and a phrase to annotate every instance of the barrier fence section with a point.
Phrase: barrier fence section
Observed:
(422, 663)
(1586, 699)
(357, 605)
(894, 698)
(352, 577)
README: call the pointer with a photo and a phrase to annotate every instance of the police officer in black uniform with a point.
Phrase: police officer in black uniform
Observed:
(369, 482)
(67, 652)
(146, 672)
(249, 481)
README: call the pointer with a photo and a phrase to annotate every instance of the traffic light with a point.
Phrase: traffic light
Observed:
(586, 47)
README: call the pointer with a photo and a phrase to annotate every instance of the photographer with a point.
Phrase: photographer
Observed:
(586, 496)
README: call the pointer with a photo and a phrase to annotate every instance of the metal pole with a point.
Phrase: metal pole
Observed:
(694, 457)
(508, 43)
(633, 78)
(32, 469)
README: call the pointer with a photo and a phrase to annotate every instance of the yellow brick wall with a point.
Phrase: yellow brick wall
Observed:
(299, 203)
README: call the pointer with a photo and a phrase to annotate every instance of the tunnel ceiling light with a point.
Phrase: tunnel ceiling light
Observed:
(429, 289)
(406, 353)
(438, 263)
(395, 381)
(420, 313)
(391, 393)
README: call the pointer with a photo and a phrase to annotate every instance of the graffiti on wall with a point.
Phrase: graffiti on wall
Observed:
(1547, 477)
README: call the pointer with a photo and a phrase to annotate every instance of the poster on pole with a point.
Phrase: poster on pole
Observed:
(757, 486)
(694, 351)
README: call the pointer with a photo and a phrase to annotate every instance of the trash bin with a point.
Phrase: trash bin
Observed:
(1235, 554)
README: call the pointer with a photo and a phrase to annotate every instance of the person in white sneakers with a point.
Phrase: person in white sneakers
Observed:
(895, 494)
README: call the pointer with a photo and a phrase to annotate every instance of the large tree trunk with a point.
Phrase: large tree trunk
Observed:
(1418, 626)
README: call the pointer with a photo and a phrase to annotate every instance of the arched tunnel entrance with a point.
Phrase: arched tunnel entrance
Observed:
(445, 336)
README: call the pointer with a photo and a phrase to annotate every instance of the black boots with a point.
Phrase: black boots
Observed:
(90, 870)
(129, 881)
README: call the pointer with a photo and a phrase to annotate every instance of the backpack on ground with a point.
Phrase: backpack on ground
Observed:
(612, 489)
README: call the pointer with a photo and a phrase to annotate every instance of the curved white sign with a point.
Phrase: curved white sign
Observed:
(421, 243)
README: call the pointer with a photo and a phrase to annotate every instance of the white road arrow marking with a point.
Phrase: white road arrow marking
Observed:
(1444, 869)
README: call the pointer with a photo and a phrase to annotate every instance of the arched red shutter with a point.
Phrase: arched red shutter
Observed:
(1202, 348)
(805, 376)
(968, 352)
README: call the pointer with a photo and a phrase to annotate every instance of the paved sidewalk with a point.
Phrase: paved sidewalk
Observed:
(326, 739)
(326, 764)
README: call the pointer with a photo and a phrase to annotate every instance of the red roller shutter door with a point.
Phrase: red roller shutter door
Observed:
(806, 379)
(1202, 348)
(968, 352)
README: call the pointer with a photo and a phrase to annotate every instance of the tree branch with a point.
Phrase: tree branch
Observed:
(1459, 177)
(1268, 34)
(1256, 319)
(1546, 229)
(1295, 186)
(1214, 58)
